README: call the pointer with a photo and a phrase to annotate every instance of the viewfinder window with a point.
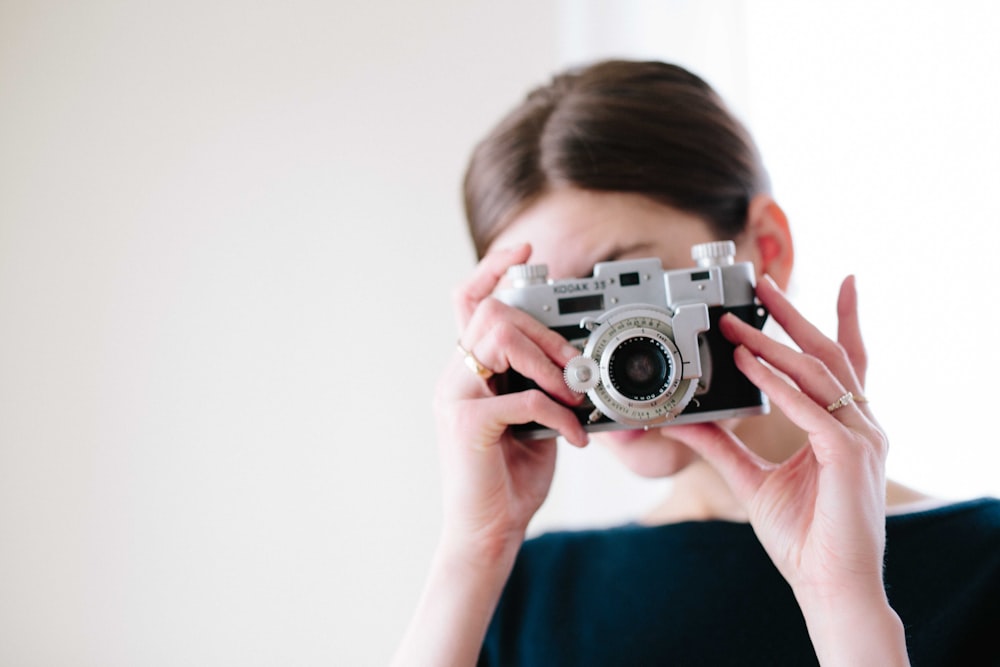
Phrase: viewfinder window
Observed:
(581, 304)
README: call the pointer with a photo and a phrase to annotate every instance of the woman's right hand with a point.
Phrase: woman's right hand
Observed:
(494, 483)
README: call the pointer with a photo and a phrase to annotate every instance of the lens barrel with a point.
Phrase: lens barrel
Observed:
(640, 369)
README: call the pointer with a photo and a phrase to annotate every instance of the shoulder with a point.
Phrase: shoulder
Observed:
(942, 574)
(977, 514)
(952, 534)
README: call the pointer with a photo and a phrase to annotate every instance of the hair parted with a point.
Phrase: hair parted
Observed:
(647, 128)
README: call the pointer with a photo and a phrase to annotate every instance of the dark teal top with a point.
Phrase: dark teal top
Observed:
(705, 593)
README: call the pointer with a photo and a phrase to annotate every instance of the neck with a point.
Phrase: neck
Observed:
(697, 493)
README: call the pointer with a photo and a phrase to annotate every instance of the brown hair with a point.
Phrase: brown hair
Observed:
(648, 128)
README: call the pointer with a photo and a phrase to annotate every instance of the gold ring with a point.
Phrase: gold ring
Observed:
(845, 400)
(474, 364)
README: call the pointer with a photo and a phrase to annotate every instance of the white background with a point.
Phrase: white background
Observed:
(228, 233)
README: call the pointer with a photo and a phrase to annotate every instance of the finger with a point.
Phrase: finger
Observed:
(806, 335)
(807, 408)
(493, 314)
(742, 469)
(849, 328)
(501, 337)
(809, 373)
(485, 420)
(507, 347)
(485, 278)
(846, 357)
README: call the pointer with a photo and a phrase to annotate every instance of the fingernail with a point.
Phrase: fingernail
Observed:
(731, 319)
(569, 352)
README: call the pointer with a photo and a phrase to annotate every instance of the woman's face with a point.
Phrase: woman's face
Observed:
(570, 230)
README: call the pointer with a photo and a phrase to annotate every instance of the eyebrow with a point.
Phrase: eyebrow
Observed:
(615, 253)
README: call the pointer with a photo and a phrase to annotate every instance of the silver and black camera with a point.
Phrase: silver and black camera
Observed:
(651, 350)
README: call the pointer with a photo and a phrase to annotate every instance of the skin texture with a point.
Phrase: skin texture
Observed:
(811, 482)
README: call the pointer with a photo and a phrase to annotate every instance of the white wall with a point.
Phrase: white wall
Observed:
(880, 122)
(228, 232)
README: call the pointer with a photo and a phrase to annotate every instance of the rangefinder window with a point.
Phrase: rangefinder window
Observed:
(700, 275)
(628, 279)
(581, 304)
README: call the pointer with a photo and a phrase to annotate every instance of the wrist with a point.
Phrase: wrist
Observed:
(479, 553)
(857, 628)
(462, 590)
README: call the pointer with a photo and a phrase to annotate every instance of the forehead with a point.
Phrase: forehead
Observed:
(571, 230)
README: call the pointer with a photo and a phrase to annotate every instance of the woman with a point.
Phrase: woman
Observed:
(771, 546)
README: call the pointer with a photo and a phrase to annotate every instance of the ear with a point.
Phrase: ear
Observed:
(768, 239)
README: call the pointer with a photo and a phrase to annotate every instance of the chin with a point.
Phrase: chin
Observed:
(647, 453)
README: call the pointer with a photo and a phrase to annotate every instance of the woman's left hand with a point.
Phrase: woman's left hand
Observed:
(820, 515)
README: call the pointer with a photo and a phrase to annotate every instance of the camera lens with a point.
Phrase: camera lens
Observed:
(640, 369)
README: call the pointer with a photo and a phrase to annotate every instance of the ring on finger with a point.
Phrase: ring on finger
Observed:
(845, 400)
(474, 364)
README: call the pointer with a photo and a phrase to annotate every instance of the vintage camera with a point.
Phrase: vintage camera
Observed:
(651, 350)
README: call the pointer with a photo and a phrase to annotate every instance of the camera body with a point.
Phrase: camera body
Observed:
(651, 350)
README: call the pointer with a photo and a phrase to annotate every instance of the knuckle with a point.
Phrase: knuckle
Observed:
(460, 300)
(813, 365)
(481, 313)
(535, 400)
(834, 354)
(835, 351)
(873, 446)
(492, 308)
(881, 441)
(504, 334)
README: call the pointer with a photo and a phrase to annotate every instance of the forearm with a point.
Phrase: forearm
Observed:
(855, 630)
(455, 608)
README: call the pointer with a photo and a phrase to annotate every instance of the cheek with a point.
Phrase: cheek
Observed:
(652, 455)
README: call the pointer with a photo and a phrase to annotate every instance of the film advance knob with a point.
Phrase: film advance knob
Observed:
(715, 253)
(581, 374)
